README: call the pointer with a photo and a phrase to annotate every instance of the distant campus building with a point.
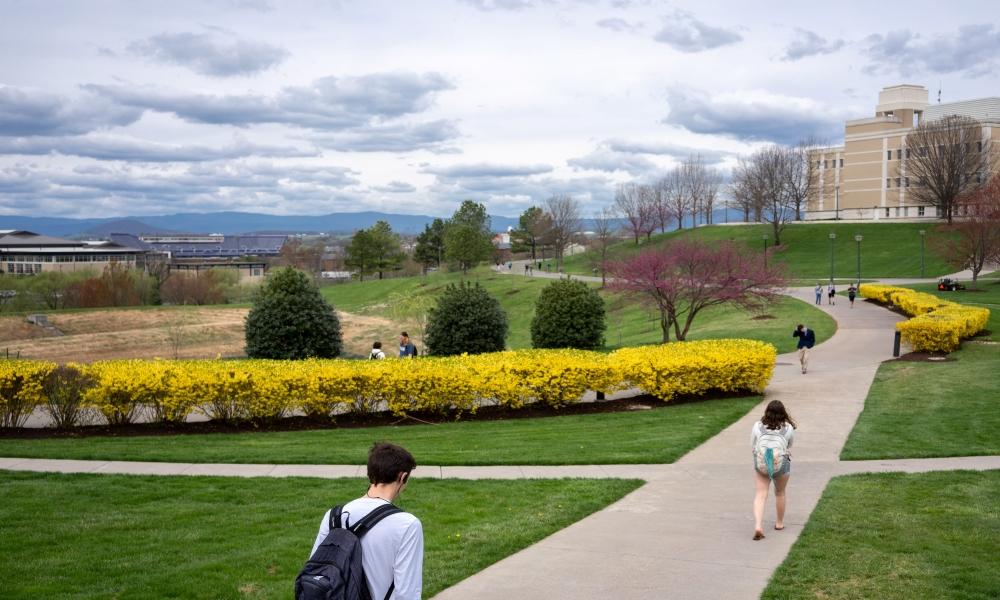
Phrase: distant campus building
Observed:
(28, 253)
(866, 177)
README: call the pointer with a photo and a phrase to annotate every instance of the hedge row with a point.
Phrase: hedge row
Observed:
(937, 325)
(267, 389)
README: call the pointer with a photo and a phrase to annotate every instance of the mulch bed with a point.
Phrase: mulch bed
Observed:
(925, 357)
(350, 421)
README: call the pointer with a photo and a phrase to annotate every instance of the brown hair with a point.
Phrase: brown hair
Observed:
(775, 415)
(386, 461)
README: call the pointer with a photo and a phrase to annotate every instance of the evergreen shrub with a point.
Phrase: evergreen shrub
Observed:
(568, 314)
(466, 320)
(290, 319)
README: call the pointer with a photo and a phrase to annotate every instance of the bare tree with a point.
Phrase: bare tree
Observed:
(948, 158)
(564, 221)
(631, 203)
(763, 178)
(746, 189)
(713, 182)
(604, 236)
(678, 198)
(660, 199)
(799, 175)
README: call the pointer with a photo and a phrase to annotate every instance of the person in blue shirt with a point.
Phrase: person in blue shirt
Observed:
(807, 339)
(406, 347)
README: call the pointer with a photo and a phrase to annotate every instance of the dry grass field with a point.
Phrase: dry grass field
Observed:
(182, 332)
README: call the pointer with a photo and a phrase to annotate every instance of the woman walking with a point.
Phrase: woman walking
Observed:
(771, 440)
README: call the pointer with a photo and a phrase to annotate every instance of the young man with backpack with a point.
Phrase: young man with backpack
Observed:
(369, 548)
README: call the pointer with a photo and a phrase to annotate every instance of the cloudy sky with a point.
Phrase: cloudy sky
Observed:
(141, 108)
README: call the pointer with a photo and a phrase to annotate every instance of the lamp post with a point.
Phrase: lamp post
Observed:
(833, 236)
(836, 205)
(765, 250)
(922, 234)
(858, 239)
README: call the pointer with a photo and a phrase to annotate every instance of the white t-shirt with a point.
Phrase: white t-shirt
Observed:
(393, 550)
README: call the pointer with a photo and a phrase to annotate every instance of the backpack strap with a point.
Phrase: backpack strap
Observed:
(372, 519)
(335, 514)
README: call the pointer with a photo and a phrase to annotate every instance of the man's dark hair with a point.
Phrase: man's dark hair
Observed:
(386, 461)
(377, 345)
(404, 334)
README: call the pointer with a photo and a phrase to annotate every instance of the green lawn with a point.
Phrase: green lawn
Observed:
(659, 435)
(898, 536)
(114, 536)
(918, 410)
(629, 323)
(986, 294)
(887, 250)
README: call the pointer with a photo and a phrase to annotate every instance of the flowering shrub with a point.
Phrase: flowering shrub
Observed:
(21, 389)
(269, 389)
(937, 325)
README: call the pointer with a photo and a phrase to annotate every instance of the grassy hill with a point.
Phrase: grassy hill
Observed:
(629, 323)
(887, 250)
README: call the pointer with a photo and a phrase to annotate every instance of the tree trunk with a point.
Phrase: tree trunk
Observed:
(665, 326)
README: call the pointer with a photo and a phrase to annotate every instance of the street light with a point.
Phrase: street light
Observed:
(858, 239)
(836, 206)
(765, 250)
(922, 234)
(833, 236)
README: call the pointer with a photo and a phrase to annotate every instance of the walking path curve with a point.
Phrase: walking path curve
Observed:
(686, 532)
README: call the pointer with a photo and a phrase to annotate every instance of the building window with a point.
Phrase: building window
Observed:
(906, 181)
(907, 153)
(887, 212)
(888, 154)
(923, 151)
(888, 183)
(897, 211)
(898, 182)
(920, 211)
(979, 146)
(819, 163)
(256, 272)
(841, 163)
(899, 154)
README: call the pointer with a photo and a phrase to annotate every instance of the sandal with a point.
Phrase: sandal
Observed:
(758, 535)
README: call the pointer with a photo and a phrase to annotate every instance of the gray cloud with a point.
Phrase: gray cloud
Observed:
(609, 160)
(809, 43)
(972, 51)
(395, 187)
(31, 113)
(392, 138)
(486, 170)
(491, 5)
(616, 24)
(330, 103)
(141, 150)
(682, 31)
(677, 151)
(207, 54)
(753, 116)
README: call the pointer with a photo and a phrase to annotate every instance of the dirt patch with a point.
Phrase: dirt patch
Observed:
(352, 421)
(762, 318)
(190, 332)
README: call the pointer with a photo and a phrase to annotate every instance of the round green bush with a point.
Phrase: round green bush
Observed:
(568, 314)
(291, 319)
(466, 319)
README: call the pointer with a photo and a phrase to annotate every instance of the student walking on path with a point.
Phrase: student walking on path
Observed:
(852, 293)
(771, 441)
(807, 339)
(819, 294)
(831, 294)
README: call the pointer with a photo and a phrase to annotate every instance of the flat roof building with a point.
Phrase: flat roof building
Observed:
(28, 253)
(866, 177)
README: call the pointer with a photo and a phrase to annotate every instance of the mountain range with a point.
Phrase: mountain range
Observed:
(227, 223)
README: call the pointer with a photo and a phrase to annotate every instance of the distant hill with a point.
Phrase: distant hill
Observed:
(228, 223)
(122, 226)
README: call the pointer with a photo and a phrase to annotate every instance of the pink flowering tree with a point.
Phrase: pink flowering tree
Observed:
(684, 277)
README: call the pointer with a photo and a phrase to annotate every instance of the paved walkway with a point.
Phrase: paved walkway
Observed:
(686, 532)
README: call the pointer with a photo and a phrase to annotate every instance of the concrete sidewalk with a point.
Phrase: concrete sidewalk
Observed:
(687, 532)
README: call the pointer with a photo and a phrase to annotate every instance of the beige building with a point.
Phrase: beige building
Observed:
(27, 253)
(866, 177)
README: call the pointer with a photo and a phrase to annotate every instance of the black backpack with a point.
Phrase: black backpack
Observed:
(334, 571)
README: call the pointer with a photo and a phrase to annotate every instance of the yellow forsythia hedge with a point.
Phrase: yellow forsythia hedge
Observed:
(260, 389)
(937, 325)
